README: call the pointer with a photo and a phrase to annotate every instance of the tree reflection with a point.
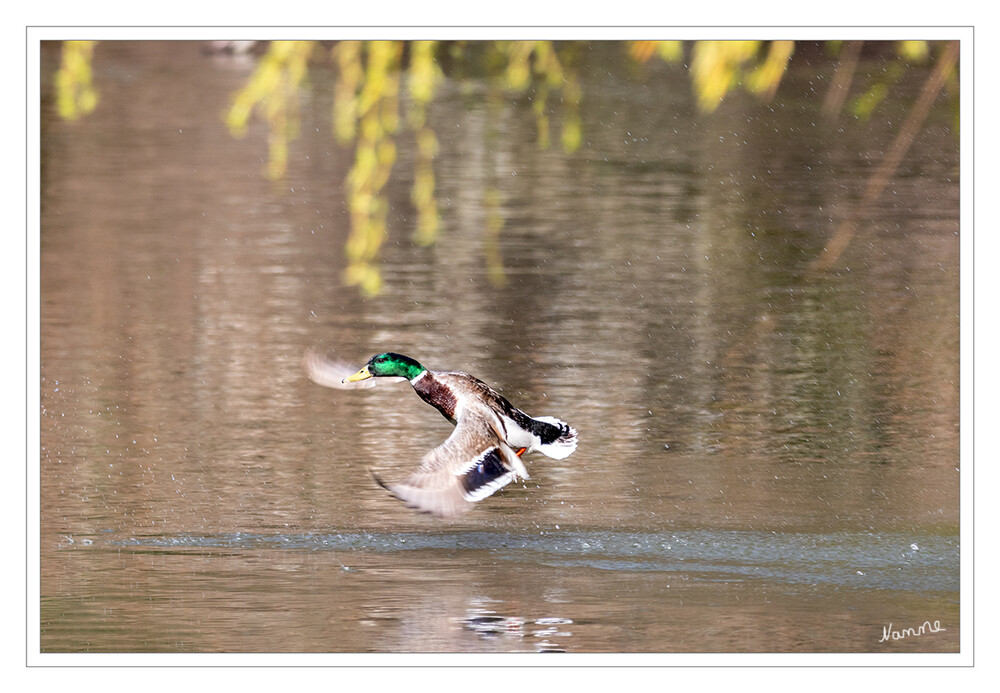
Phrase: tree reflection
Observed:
(373, 80)
(75, 93)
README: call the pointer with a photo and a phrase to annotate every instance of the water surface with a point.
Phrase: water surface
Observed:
(768, 458)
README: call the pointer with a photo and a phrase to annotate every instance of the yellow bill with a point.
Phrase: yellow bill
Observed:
(363, 374)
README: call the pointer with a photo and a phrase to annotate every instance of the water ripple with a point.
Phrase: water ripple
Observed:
(863, 560)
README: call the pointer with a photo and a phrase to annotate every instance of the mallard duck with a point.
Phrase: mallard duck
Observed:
(483, 453)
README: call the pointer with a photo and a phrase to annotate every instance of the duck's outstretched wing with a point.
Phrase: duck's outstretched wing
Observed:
(471, 465)
(330, 372)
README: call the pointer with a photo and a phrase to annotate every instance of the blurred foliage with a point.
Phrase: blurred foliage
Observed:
(491, 243)
(273, 91)
(907, 52)
(423, 78)
(367, 113)
(75, 93)
(537, 64)
(642, 51)
(372, 79)
(368, 90)
(719, 66)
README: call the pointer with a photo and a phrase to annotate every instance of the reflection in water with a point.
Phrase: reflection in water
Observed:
(761, 449)
(550, 591)
(512, 628)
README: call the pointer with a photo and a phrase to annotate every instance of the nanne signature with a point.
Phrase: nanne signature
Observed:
(888, 633)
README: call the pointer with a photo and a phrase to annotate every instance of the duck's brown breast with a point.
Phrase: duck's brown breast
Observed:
(437, 394)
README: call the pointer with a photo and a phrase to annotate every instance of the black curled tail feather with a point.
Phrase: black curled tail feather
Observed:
(549, 432)
(557, 439)
(546, 429)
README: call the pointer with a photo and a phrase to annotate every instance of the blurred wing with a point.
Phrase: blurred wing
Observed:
(471, 465)
(328, 372)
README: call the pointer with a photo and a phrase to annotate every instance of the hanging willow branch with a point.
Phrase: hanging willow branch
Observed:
(876, 184)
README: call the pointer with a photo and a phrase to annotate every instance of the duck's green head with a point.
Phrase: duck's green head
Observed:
(388, 365)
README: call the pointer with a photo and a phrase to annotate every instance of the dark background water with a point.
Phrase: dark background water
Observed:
(768, 459)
